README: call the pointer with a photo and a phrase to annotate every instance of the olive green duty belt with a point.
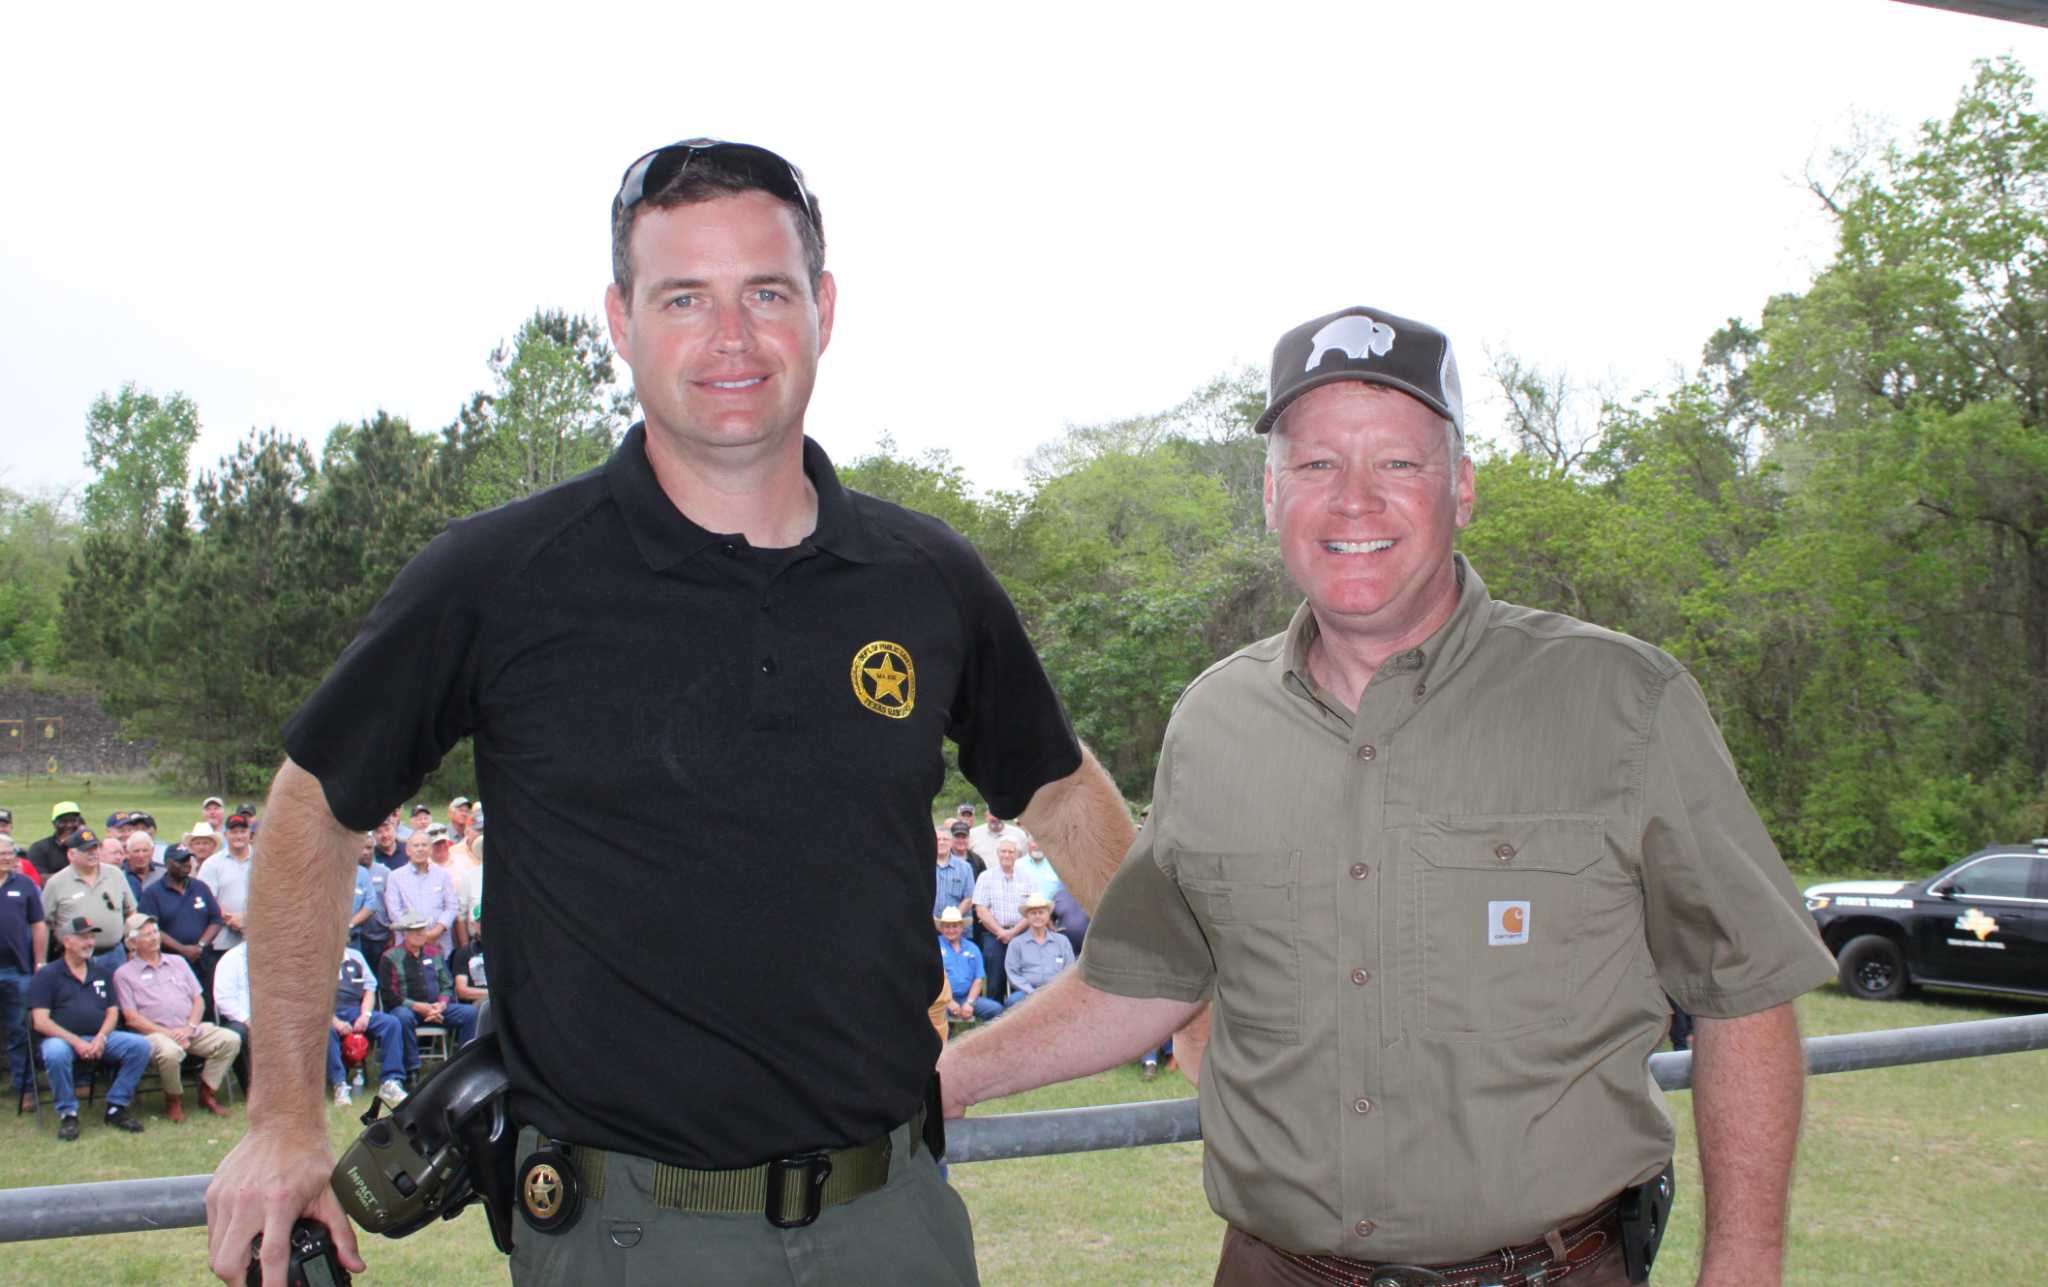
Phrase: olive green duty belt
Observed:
(790, 1191)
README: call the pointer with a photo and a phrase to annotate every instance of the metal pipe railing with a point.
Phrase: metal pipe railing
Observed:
(129, 1206)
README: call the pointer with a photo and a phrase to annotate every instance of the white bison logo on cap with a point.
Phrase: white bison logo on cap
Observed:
(1357, 335)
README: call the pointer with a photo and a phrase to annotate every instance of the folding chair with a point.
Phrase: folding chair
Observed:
(433, 1046)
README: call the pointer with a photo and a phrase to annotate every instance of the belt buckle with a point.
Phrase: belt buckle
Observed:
(817, 1168)
(1405, 1276)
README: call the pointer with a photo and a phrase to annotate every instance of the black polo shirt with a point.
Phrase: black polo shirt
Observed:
(182, 914)
(21, 908)
(666, 719)
(77, 1006)
(48, 858)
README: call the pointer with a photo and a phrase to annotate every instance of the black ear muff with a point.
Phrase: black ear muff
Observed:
(550, 1190)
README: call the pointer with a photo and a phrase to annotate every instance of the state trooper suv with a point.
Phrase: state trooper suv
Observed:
(1980, 924)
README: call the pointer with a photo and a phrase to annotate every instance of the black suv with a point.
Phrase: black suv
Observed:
(1981, 924)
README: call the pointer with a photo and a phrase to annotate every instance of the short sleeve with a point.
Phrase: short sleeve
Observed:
(401, 693)
(35, 906)
(1727, 929)
(40, 990)
(1012, 732)
(1144, 940)
(124, 990)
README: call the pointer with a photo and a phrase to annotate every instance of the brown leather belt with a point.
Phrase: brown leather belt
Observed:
(1546, 1260)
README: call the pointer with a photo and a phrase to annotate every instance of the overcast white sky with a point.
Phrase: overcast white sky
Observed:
(1039, 215)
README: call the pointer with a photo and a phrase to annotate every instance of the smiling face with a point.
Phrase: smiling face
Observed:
(419, 850)
(141, 854)
(1366, 497)
(723, 330)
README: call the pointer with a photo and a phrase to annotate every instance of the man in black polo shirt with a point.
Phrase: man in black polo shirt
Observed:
(23, 938)
(651, 657)
(186, 912)
(71, 1006)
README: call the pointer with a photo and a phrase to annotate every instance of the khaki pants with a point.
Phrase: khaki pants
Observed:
(911, 1232)
(217, 1046)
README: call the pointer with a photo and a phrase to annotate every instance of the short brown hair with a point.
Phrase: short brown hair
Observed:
(706, 178)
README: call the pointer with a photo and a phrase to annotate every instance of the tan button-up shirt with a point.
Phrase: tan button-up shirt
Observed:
(106, 901)
(1438, 929)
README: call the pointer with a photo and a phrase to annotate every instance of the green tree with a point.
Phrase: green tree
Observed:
(38, 539)
(138, 447)
(553, 411)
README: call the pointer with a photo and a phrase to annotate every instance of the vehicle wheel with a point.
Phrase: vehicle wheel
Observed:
(1872, 967)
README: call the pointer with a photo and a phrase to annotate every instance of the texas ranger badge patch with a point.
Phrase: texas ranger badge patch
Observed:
(884, 679)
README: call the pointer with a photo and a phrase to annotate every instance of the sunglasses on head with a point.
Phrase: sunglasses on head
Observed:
(656, 170)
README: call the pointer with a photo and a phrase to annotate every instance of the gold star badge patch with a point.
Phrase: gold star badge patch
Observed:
(1977, 923)
(884, 680)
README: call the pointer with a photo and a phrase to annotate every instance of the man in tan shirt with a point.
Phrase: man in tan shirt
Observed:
(1436, 859)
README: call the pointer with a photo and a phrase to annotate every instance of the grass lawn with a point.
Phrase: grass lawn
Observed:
(31, 801)
(1926, 1174)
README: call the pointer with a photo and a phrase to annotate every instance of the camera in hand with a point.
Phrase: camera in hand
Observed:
(314, 1262)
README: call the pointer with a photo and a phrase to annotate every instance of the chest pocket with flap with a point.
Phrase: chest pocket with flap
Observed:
(1501, 897)
(1249, 907)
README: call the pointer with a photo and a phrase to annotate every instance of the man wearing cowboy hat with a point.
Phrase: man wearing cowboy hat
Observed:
(964, 970)
(1037, 955)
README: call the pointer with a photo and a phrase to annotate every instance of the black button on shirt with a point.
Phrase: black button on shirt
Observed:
(658, 793)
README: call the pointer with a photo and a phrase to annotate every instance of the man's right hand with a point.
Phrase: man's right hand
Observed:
(265, 1183)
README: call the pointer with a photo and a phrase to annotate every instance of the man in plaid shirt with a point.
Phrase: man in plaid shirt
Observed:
(999, 895)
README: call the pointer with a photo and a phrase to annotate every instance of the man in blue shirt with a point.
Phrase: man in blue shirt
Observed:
(355, 1011)
(71, 1003)
(23, 940)
(140, 863)
(955, 880)
(423, 888)
(964, 971)
(369, 928)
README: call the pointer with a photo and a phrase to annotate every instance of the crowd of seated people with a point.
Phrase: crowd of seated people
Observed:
(126, 952)
(1006, 924)
(123, 954)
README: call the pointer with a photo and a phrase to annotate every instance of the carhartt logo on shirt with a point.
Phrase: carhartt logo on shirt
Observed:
(1507, 922)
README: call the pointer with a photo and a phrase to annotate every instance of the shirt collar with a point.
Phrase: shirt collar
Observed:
(1432, 661)
(667, 537)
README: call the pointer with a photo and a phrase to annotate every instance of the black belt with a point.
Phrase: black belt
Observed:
(790, 1191)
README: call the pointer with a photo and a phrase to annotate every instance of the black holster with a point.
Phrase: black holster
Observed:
(1645, 1208)
(935, 1120)
(493, 1166)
